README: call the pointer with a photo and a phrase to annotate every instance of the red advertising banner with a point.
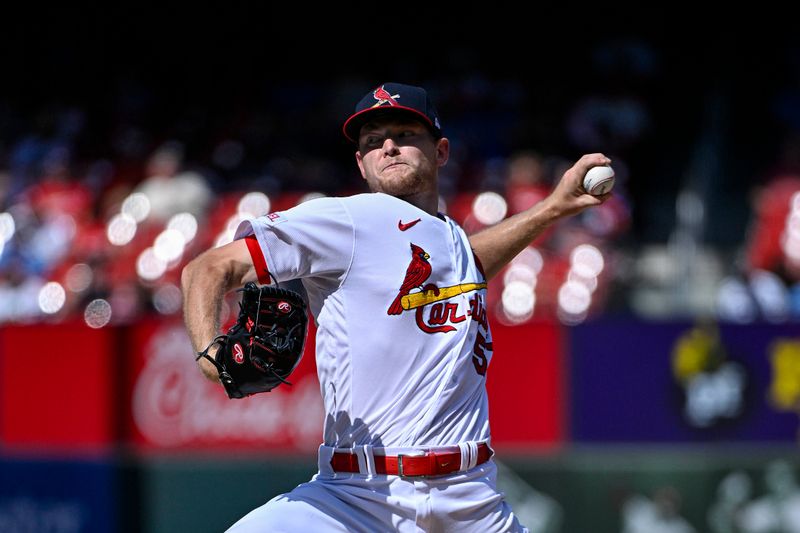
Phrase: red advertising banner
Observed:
(167, 403)
(56, 386)
(173, 406)
(526, 386)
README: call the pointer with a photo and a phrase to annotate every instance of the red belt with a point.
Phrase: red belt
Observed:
(427, 463)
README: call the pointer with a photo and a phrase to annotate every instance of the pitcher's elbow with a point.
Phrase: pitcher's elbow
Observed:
(186, 276)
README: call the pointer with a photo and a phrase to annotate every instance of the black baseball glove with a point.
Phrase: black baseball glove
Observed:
(265, 345)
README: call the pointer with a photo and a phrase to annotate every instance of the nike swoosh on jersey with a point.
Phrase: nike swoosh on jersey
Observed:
(403, 227)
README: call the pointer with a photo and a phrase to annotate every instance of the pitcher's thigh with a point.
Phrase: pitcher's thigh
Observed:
(317, 507)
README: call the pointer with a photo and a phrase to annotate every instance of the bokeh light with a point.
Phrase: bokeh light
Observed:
(520, 273)
(790, 238)
(149, 266)
(121, 229)
(587, 261)
(224, 238)
(253, 205)
(531, 257)
(570, 319)
(7, 227)
(574, 298)
(234, 221)
(734, 302)
(489, 208)
(51, 298)
(590, 283)
(167, 299)
(136, 206)
(311, 196)
(97, 313)
(169, 245)
(771, 294)
(795, 202)
(79, 277)
(186, 224)
(518, 300)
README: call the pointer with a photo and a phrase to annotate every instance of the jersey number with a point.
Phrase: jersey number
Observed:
(479, 355)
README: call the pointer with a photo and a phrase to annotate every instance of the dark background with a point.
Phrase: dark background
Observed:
(721, 92)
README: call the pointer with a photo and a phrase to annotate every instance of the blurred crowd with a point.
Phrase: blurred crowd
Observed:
(737, 508)
(103, 199)
(85, 244)
(765, 282)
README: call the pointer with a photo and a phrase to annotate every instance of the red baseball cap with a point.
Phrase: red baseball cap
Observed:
(391, 98)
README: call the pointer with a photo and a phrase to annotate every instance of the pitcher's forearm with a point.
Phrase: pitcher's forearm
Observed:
(203, 292)
(204, 283)
(496, 246)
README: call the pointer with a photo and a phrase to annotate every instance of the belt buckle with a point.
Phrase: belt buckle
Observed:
(400, 472)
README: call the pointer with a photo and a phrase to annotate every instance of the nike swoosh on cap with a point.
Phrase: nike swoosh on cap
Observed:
(403, 227)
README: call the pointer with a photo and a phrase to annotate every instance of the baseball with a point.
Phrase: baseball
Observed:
(599, 180)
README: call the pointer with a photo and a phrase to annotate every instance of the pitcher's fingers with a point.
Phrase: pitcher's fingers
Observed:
(588, 161)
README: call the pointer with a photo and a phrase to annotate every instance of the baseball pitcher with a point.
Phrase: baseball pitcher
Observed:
(398, 293)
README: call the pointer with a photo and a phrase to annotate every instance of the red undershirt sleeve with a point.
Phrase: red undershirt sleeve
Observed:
(259, 262)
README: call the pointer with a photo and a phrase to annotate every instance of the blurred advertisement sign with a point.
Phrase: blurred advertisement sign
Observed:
(172, 405)
(57, 386)
(784, 389)
(682, 382)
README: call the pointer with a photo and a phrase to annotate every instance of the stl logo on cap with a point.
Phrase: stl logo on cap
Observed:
(384, 97)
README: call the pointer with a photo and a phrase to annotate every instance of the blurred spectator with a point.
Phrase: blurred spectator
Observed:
(171, 190)
(539, 512)
(773, 240)
(735, 302)
(758, 295)
(659, 515)
(779, 509)
(772, 244)
(19, 292)
(772, 208)
(527, 182)
(733, 493)
(70, 169)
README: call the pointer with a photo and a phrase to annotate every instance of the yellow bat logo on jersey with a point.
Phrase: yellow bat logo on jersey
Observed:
(418, 299)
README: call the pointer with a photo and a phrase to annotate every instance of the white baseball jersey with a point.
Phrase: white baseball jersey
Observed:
(402, 341)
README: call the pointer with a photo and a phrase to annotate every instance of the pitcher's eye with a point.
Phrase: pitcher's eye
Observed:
(373, 140)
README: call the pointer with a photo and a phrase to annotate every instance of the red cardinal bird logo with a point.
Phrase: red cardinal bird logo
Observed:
(384, 97)
(418, 271)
